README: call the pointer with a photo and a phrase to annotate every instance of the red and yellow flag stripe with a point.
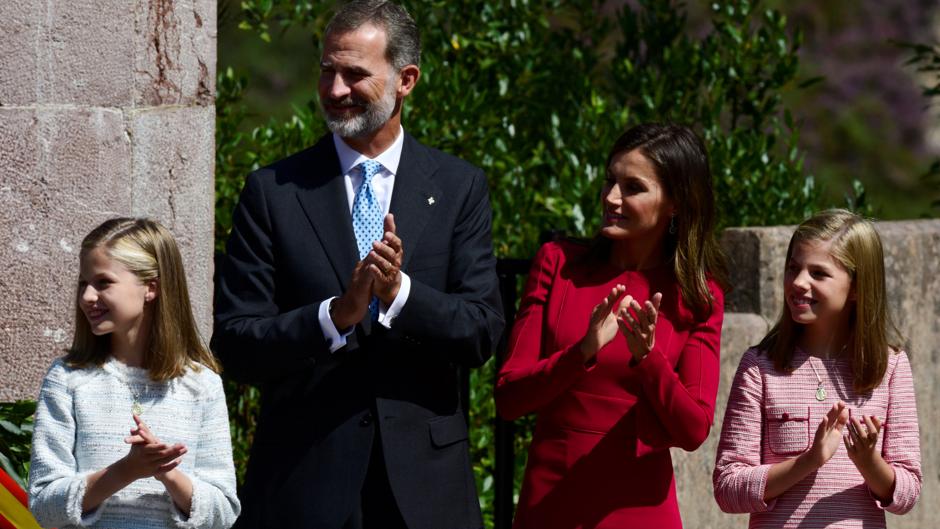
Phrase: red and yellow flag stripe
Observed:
(14, 513)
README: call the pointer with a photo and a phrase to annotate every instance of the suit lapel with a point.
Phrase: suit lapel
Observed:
(414, 196)
(325, 204)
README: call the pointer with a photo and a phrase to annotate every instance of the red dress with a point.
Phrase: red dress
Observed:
(599, 456)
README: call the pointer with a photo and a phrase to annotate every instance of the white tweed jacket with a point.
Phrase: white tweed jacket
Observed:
(82, 417)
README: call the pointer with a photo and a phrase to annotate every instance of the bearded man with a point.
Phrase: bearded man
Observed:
(359, 276)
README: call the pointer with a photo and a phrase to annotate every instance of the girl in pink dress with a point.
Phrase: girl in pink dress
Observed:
(821, 425)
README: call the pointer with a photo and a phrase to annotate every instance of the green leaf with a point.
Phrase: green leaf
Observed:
(10, 427)
(811, 81)
(12, 471)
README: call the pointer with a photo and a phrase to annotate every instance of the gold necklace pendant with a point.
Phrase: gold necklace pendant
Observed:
(820, 393)
(820, 390)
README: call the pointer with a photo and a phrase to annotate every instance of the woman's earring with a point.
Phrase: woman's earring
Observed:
(672, 225)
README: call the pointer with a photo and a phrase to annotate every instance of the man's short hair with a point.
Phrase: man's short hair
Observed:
(403, 44)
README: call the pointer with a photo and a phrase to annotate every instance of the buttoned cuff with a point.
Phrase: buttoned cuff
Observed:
(387, 315)
(334, 339)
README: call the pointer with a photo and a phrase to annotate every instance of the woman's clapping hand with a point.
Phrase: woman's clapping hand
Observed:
(638, 324)
(603, 325)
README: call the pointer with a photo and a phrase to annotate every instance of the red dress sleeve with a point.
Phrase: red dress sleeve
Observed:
(531, 378)
(683, 398)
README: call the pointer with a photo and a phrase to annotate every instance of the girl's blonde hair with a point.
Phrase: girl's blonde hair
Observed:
(856, 246)
(149, 251)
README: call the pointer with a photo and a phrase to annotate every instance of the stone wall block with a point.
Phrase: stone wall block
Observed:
(743, 249)
(912, 269)
(86, 53)
(19, 157)
(64, 172)
(694, 469)
(175, 57)
(172, 182)
(756, 258)
(19, 33)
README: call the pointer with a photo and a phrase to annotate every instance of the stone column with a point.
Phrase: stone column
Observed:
(106, 109)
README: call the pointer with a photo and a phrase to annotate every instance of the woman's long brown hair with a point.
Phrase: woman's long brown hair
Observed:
(681, 164)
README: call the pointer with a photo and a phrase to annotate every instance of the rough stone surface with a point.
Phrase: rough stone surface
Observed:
(171, 182)
(110, 53)
(67, 52)
(83, 138)
(68, 172)
(694, 469)
(19, 31)
(175, 57)
(756, 258)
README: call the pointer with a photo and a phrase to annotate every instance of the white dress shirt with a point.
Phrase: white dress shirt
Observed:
(382, 185)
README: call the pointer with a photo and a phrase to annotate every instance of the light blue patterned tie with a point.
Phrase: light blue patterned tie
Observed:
(367, 219)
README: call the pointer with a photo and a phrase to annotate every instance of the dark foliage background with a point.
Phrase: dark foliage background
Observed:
(867, 119)
(16, 432)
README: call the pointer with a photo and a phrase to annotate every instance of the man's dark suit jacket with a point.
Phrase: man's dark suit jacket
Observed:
(291, 247)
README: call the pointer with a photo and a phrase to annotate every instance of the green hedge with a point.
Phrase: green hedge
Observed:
(16, 433)
(925, 58)
(534, 92)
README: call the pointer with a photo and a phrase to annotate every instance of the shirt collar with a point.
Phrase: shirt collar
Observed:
(389, 158)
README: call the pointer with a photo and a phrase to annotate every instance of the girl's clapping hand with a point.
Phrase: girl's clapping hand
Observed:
(826, 441)
(862, 439)
(148, 455)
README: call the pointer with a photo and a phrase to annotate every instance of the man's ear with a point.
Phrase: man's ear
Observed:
(408, 78)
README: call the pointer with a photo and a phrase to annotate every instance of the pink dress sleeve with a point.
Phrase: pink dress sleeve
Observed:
(739, 478)
(530, 379)
(684, 398)
(901, 444)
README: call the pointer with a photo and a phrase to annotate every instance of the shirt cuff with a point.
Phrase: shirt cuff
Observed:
(73, 509)
(756, 497)
(901, 500)
(334, 339)
(387, 315)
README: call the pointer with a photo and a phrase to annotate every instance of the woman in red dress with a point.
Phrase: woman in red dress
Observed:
(615, 346)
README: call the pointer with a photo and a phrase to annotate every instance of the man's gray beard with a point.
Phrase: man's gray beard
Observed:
(371, 120)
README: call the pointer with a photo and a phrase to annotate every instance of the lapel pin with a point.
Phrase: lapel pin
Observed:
(430, 201)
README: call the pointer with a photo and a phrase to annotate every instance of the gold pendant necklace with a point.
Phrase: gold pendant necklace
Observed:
(820, 390)
(136, 407)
